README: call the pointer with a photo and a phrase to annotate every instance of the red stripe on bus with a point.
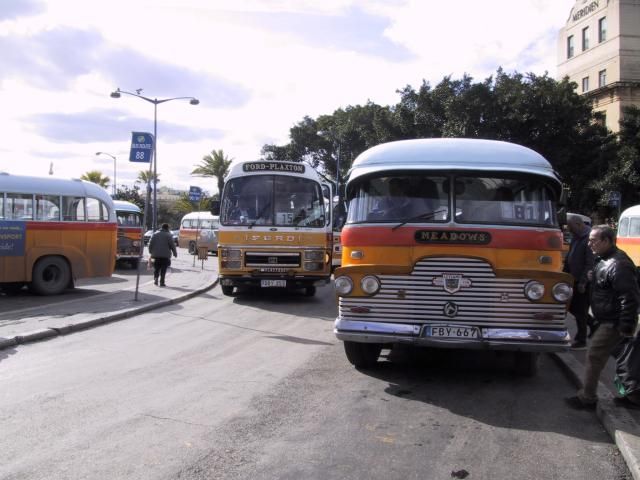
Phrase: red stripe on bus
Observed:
(72, 226)
(404, 237)
(628, 241)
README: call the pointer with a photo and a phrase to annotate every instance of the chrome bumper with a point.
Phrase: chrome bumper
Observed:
(491, 338)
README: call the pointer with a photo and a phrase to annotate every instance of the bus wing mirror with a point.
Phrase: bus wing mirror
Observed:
(562, 216)
(215, 207)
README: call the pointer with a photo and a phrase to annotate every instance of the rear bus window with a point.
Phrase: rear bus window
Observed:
(73, 209)
(48, 208)
(97, 211)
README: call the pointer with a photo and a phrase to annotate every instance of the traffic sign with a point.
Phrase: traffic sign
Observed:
(141, 147)
(194, 194)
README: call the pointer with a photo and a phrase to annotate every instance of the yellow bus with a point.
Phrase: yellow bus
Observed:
(129, 244)
(628, 236)
(199, 229)
(275, 227)
(54, 231)
(452, 243)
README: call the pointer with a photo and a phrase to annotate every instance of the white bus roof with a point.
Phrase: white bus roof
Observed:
(124, 206)
(631, 211)
(451, 154)
(200, 216)
(264, 167)
(52, 186)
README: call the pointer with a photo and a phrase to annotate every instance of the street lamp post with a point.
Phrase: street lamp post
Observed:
(156, 102)
(114, 169)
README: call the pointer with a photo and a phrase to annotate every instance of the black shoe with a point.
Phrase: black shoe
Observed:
(576, 345)
(577, 404)
(625, 402)
(162, 285)
(155, 281)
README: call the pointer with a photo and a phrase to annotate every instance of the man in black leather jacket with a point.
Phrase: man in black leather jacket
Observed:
(615, 299)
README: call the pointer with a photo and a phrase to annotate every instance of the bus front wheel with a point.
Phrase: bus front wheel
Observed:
(310, 291)
(51, 276)
(362, 355)
(227, 290)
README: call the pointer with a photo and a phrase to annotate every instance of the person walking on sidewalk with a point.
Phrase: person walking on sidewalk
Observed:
(578, 263)
(161, 246)
(615, 299)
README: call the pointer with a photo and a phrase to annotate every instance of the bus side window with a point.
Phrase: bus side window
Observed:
(1, 206)
(19, 206)
(634, 227)
(96, 210)
(73, 209)
(47, 207)
(623, 227)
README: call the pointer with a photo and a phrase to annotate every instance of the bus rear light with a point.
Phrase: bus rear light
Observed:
(554, 242)
(562, 292)
(534, 290)
(343, 285)
(357, 254)
(370, 284)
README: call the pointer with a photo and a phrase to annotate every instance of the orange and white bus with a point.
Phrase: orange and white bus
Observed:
(129, 245)
(275, 227)
(54, 231)
(199, 229)
(452, 243)
(628, 236)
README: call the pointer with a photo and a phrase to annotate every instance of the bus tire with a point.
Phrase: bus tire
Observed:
(227, 290)
(526, 363)
(51, 275)
(310, 291)
(362, 355)
(134, 263)
(192, 248)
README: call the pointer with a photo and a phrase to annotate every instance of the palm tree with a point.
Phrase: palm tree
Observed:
(146, 176)
(184, 205)
(216, 164)
(95, 176)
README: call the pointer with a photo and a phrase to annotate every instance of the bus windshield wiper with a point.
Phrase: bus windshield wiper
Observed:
(259, 216)
(419, 217)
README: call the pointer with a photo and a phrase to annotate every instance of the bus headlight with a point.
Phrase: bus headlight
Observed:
(370, 284)
(314, 255)
(343, 285)
(230, 253)
(534, 290)
(136, 243)
(313, 266)
(562, 292)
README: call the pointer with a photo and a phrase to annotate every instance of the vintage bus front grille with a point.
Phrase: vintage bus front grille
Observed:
(477, 297)
(272, 259)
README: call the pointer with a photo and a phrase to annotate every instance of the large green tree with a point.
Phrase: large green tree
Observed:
(96, 176)
(215, 164)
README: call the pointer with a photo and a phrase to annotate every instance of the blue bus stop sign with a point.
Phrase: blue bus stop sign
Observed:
(194, 194)
(141, 147)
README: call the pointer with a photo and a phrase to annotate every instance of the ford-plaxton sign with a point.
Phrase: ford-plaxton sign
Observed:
(273, 167)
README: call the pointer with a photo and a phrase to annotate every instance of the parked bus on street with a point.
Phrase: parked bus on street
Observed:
(275, 227)
(452, 243)
(199, 229)
(628, 235)
(129, 243)
(53, 232)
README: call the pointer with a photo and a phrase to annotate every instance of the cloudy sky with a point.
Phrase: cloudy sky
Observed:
(257, 67)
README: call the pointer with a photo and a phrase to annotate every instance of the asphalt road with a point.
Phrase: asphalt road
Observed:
(257, 387)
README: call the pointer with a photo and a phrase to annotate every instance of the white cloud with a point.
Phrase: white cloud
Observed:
(286, 70)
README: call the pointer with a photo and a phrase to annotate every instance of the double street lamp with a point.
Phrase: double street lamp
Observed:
(156, 102)
(114, 169)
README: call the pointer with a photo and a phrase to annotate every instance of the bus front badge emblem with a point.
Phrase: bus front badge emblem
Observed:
(452, 282)
(450, 309)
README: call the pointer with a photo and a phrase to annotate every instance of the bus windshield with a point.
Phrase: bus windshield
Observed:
(273, 200)
(477, 198)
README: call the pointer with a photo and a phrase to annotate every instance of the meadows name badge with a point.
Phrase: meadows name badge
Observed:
(453, 237)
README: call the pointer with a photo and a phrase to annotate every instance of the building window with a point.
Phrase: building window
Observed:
(570, 46)
(602, 29)
(585, 84)
(585, 38)
(602, 78)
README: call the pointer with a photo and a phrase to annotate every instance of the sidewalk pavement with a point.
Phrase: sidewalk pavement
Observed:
(27, 318)
(99, 301)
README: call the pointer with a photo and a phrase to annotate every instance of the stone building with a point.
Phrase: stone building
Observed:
(599, 50)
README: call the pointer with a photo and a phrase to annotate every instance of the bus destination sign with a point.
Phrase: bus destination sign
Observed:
(273, 167)
(457, 237)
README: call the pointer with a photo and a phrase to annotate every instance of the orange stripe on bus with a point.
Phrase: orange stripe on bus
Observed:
(628, 241)
(384, 236)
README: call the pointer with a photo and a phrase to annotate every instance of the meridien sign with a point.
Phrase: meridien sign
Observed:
(583, 12)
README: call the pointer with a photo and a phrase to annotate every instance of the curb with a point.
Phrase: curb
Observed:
(616, 420)
(46, 333)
